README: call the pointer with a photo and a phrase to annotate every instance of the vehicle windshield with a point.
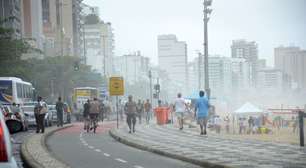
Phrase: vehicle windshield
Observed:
(6, 87)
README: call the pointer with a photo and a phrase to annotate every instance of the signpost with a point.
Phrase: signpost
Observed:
(116, 88)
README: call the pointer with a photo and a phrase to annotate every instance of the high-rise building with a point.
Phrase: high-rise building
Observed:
(248, 51)
(10, 16)
(273, 79)
(172, 57)
(226, 75)
(133, 67)
(292, 61)
(32, 22)
(77, 26)
(58, 27)
(99, 44)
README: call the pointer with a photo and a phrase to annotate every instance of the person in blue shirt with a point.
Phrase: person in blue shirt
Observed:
(201, 112)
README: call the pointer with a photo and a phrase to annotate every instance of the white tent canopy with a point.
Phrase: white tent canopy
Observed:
(248, 109)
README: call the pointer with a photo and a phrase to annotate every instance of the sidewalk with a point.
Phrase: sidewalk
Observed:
(212, 151)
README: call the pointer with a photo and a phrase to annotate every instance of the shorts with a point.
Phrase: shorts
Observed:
(179, 115)
(202, 120)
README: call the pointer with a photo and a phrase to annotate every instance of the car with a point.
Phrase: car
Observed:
(29, 111)
(7, 159)
(15, 118)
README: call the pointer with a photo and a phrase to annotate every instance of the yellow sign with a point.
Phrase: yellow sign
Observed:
(116, 86)
(82, 93)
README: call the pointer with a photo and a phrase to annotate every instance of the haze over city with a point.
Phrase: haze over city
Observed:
(152, 83)
(270, 23)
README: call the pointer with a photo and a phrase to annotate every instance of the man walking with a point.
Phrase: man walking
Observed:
(139, 110)
(180, 108)
(86, 108)
(201, 112)
(59, 112)
(130, 111)
(94, 109)
(148, 108)
(40, 111)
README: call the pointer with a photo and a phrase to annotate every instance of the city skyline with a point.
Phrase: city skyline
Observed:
(282, 24)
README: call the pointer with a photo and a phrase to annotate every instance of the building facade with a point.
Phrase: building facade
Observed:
(248, 51)
(32, 22)
(172, 57)
(99, 46)
(10, 16)
(58, 27)
(133, 67)
(292, 61)
(273, 79)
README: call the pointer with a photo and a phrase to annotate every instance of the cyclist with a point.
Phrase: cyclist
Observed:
(94, 110)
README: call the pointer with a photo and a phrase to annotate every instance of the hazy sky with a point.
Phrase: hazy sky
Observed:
(270, 23)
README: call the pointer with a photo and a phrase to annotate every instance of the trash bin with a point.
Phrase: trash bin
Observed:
(162, 115)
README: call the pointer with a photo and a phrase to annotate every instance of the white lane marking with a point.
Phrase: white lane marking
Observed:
(86, 144)
(106, 154)
(136, 166)
(90, 147)
(97, 150)
(120, 160)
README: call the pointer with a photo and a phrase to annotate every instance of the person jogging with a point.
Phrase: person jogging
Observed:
(201, 112)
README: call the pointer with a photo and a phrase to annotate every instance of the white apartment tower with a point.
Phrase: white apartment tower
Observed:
(172, 57)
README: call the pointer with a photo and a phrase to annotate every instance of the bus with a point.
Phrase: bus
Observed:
(15, 90)
(82, 94)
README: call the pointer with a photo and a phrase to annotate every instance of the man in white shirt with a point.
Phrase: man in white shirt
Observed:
(180, 108)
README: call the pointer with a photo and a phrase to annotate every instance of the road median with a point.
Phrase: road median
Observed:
(35, 153)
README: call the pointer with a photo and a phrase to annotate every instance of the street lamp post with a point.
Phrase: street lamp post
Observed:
(206, 12)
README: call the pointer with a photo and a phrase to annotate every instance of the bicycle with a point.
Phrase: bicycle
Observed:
(92, 124)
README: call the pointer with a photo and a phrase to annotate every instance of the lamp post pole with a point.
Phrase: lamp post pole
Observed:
(206, 12)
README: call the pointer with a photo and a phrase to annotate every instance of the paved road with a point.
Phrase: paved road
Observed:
(17, 140)
(81, 150)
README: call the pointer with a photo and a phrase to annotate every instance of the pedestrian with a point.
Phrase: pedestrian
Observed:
(94, 110)
(120, 109)
(294, 124)
(227, 124)
(108, 109)
(40, 111)
(201, 112)
(218, 124)
(180, 108)
(102, 110)
(148, 108)
(139, 111)
(59, 112)
(86, 108)
(130, 109)
(251, 124)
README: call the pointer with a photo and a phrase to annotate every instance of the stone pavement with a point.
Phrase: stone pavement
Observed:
(212, 151)
(35, 153)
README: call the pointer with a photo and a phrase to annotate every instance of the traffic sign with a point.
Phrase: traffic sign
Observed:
(116, 86)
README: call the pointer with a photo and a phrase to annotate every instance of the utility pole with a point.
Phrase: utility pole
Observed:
(61, 26)
(104, 55)
(206, 12)
(84, 45)
(150, 76)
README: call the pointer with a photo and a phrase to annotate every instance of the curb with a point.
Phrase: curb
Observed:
(114, 133)
(29, 159)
